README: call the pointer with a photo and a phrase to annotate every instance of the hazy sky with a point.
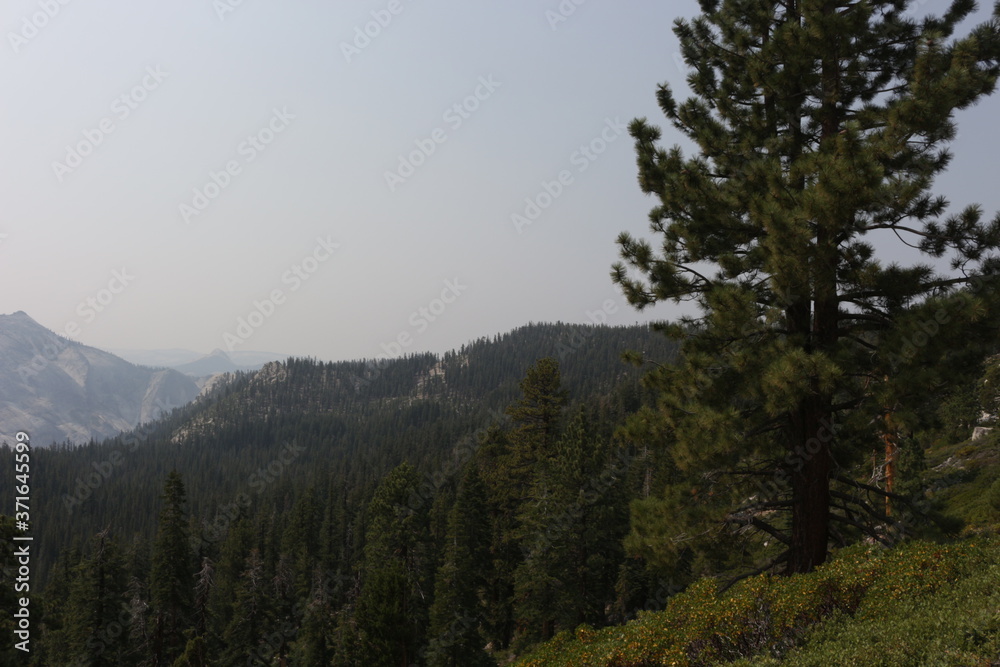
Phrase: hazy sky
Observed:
(186, 164)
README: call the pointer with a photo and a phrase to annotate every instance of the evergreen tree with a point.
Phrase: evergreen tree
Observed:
(228, 575)
(509, 459)
(97, 627)
(346, 641)
(171, 577)
(301, 540)
(194, 654)
(141, 633)
(252, 616)
(54, 639)
(595, 471)
(285, 610)
(335, 531)
(505, 552)
(539, 577)
(572, 528)
(817, 122)
(313, 643)
(199, 644)
(536, 418)
(391, 612)
(460, 586)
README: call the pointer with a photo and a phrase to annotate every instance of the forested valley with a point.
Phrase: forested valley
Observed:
(424, 510)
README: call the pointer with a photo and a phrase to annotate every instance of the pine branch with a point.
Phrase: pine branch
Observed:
(773, 504)
(761, 525)
(867, 530)
(777, 560)
(868, 487)
(881, 518)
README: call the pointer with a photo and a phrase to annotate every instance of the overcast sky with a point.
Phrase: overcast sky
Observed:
(186, 166)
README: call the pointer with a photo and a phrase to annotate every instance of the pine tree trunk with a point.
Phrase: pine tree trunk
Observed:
(810, 475)
(811, 430)
(810, 436)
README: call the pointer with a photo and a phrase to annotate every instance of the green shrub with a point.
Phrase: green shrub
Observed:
(918, 604)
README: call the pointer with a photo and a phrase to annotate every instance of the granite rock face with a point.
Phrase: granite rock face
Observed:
(60, 390)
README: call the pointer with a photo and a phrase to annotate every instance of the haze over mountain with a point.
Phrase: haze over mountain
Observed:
(60, 390)
(197, 364)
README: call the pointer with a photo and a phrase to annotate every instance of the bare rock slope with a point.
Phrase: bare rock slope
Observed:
(58, 390)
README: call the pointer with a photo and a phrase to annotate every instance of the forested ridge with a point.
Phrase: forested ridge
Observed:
(316, 478)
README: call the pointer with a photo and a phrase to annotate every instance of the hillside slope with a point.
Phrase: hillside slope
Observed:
(918, 604)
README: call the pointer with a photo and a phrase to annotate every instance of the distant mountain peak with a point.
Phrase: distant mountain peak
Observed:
(18, 328)
(213, 363)
(196, 364)
(22, 318)
(59, 389)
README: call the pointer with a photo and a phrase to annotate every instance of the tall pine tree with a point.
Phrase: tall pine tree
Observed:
(98, 617)
(252, 616)
(572, 529)
(816, 122)
(460, 586)
(391, 612)
(508, 459)
(171, 577)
